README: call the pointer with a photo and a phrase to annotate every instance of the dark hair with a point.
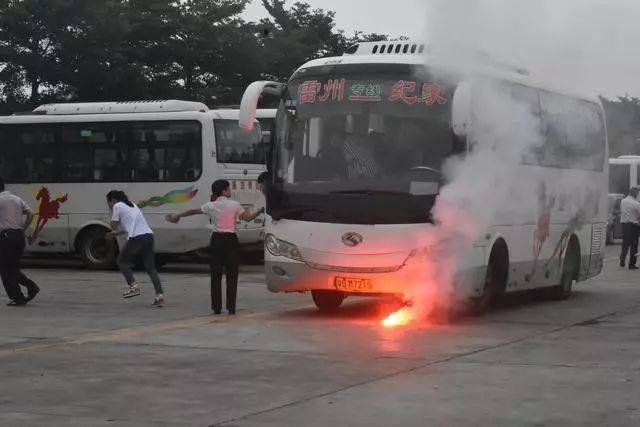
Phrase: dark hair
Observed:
(220, 186)
(262, 178)
(119, 196)
(1, 184)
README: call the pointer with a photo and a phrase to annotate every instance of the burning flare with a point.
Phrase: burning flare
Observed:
(401, 317)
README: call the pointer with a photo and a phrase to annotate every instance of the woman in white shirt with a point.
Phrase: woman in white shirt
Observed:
(223, 213)
(127, 217)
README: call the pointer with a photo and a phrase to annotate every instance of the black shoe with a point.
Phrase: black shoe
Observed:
(217, 312)
(15, 303)
(35, 291)
(633, 267)
(232, 312)
(621, 263)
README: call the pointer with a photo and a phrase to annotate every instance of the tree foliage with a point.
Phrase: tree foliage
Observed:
(623, 125)
(104, 50)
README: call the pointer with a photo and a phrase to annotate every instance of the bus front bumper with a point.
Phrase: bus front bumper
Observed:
(284, 276)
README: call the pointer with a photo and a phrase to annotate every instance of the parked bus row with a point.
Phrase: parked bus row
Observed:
(63, 158)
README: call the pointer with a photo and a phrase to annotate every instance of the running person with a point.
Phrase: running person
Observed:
(223, 213)
(128, 218)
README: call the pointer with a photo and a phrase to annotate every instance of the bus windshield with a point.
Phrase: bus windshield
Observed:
(235, 146)
(351, 136)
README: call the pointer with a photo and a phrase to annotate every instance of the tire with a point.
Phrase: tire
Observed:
(495, 280)
(569, 273)
(96, 252)
(480, 306)
(328, 301)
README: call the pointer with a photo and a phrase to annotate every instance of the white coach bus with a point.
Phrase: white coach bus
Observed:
(360, 142)
(623, 174)
(64, 158)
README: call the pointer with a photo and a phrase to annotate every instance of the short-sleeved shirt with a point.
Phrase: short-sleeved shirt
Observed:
(629, 210)
(130, 219)
(223, 213)
(12, 210)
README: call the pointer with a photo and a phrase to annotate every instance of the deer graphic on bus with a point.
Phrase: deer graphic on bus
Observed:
(47, 209)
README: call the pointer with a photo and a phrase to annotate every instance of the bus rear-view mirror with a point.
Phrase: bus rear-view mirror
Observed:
(250, 99)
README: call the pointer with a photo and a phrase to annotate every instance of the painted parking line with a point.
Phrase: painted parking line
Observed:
(106, 336)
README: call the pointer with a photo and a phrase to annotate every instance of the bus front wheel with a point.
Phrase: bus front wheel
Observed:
(495, 280)
(327, 301)
(96, 252)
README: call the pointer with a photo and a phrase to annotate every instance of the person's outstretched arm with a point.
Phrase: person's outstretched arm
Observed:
(175, 218)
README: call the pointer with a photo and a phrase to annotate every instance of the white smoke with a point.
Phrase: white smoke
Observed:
(582, 45)
(554, 42)
(483, 187)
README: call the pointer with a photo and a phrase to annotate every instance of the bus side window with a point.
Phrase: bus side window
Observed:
(40, 152)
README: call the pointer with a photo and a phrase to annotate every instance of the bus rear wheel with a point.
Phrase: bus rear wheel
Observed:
(569, 274)
(328, 301)
(96, 252)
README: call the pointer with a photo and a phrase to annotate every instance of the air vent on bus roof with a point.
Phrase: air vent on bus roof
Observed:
(387, 48)
(121, 107)
(407, 47)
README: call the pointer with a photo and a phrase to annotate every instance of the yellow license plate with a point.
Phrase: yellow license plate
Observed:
(350, 284)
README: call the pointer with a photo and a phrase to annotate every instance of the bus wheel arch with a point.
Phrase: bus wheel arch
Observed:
(96, 252)
(570, 271)
(495, 278)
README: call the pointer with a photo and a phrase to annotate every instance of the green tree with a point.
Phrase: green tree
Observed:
(29, 44)
(623, 125)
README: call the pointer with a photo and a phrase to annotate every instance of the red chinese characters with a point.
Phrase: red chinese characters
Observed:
(333, 90)
(308, 92)
(431, 93)
(402, 90)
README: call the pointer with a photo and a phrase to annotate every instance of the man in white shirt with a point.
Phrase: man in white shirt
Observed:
(13, 211)
(223, 213)
(629, 218)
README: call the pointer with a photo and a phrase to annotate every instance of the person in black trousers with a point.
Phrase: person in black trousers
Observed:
(223, 213)
(12, 242)
(629, 217)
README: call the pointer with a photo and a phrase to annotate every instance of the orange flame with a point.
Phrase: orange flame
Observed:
(401, 317)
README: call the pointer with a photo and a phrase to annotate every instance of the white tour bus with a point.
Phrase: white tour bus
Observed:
(359, 144)
(62, 159)
(623, 174)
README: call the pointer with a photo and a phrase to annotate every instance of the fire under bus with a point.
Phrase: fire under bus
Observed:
(355, 170)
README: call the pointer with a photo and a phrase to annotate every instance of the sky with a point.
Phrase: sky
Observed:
(370, 16)
(588, 46)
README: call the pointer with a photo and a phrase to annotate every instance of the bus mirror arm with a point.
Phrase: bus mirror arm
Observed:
(250, 100)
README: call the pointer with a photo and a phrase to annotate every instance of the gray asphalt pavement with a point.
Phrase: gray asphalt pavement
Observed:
(80, 355)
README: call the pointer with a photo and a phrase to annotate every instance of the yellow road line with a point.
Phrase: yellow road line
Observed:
(127, 333)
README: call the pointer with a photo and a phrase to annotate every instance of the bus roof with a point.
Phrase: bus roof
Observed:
(159, 106)
(363, 53)
(224, 114)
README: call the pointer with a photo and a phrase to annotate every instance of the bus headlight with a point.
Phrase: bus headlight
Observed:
(279, 247)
